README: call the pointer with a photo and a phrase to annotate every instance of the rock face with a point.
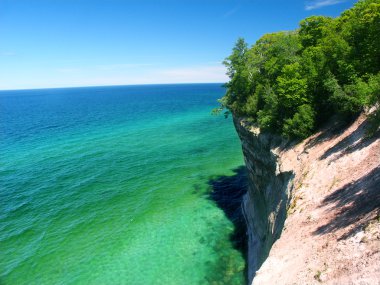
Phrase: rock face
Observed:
(269, 189)
(313, 209)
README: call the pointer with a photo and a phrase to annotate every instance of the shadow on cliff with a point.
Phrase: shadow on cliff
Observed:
(227, 192)
(329, 130)
(353, 142)
(356, 202)
(357, 140)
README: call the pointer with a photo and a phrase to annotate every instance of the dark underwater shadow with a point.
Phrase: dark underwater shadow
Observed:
(227, 192)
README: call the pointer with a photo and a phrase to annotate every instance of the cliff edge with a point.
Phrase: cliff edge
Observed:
(312, 209)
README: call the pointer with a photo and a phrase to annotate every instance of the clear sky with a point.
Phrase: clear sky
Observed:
(61, 43)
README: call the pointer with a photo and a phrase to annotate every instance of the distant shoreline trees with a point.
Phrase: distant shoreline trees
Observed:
(291, 82)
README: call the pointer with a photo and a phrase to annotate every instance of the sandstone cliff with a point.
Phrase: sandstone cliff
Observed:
(319, 199)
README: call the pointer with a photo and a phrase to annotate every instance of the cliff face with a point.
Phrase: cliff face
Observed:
(269, 189)
(313, 209)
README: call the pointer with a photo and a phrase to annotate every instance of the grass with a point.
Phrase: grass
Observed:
(317, 276)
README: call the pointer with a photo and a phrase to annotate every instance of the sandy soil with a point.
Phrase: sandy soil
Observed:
(332, 233)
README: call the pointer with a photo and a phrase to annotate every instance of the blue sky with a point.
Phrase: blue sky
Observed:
(61, 43)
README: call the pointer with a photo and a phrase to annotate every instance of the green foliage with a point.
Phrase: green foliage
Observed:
(374, 86)
(238, 86)
(268, 116)
(291, 87)
(345, 101)
(302, 123)
(313, 29)
(290, 82)
(361, 29)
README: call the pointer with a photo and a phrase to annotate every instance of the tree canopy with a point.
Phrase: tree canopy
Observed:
(291, 82)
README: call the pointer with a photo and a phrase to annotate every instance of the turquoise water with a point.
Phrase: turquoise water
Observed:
(110, 185)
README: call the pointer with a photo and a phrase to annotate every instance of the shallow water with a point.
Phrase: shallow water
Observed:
(110, 185)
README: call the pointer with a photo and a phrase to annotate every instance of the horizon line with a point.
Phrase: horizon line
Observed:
(115, 85)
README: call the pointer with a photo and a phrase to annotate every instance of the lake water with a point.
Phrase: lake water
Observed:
(111, 185)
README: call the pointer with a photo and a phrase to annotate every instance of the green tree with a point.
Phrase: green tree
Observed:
(238, 87)
(313, 29)
(291, 88)
(291, 82)
(301, 125)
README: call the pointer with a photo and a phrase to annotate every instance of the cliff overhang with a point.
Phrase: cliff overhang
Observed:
(269, 190)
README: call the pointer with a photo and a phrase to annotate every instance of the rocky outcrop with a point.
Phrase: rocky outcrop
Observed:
(313, 208)
(269, 189)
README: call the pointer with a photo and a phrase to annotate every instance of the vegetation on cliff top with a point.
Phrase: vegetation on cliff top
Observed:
(291, 82)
